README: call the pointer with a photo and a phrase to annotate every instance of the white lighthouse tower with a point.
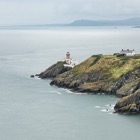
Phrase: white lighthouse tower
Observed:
(68, 59)
(69, 62)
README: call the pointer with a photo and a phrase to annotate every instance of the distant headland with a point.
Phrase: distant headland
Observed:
(117, 74)
(134, 22)
(124, 22)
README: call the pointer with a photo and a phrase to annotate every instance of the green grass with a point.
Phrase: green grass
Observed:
(110, 66)
(95, 60)
(60, 63)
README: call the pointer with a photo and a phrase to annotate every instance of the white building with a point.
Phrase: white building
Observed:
(69, 62)
(128, 52)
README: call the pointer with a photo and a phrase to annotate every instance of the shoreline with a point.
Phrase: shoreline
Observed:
(102, 74)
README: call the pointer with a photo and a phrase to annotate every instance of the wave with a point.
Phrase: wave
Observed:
(68, 91)
(104, 110)
(56, 92)
(109, 108)
(37, 78)
(97, 106)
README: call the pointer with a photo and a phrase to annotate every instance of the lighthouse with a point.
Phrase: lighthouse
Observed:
(68, 59)
(69, 62)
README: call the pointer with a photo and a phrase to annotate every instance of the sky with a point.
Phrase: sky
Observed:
(22, 12)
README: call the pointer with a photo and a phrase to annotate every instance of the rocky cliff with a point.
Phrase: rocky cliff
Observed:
(102, 74)
(129, 104)
(54, 70)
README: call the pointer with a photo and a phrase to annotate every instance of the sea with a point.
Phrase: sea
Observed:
(31, 109)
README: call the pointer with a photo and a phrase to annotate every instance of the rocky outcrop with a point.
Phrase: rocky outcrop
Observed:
(96, 82)
(32, 76)
(107, 74)
(129, 83)
(54, 70)
(102, 74)
(129, 104)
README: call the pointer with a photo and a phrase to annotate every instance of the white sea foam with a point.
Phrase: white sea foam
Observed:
(56, 92)
(59, 93)
(107, 108)
(110, 113)
(97, 107)
(78, 93)
(104, 110)
(110, 106)
(68, 91)
(37, 78)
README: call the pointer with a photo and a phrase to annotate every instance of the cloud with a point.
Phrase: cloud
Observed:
(61, 11)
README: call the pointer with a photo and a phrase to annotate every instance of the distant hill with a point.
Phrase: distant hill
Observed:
(136, 27)
(134, 22)
(126, 22)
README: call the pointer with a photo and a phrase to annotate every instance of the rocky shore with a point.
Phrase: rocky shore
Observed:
(106, 74)
(54, 70)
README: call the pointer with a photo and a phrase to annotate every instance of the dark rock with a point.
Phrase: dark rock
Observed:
(32, 76)
(128, 83)
(54, 70)
(129, 104)
(96, 82)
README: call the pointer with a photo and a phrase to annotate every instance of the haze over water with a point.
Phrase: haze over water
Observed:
(31, 109)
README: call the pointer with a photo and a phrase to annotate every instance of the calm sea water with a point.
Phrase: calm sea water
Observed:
(31, 109)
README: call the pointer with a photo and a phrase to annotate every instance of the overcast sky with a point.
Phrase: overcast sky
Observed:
(65, 11)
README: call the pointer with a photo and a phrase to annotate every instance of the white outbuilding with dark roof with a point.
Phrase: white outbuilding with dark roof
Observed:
(128, 52)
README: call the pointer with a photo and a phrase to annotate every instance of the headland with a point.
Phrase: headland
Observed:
(105, 74)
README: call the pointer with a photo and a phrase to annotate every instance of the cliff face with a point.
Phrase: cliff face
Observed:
(129, 104)
(102, 74)
(108, 74)
(54, 70)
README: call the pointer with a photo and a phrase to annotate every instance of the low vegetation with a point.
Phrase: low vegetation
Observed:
(108, 74)
(111, 66)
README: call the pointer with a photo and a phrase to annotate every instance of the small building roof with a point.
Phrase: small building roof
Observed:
(127, 51)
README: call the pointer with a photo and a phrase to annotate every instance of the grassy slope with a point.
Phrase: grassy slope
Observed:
(111, 66)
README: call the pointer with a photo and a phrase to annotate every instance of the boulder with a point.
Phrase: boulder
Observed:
(32, 76)
(129, 104)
